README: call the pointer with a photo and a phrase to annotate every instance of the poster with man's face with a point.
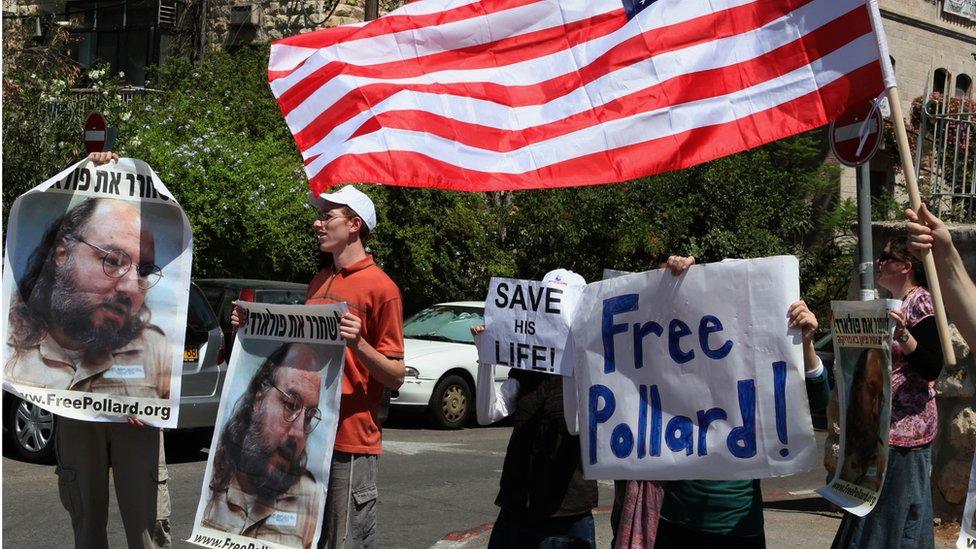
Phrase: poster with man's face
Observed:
(268, 471)
(95, 292)
(862, 350)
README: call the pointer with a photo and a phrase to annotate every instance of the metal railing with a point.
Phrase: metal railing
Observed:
(86, 100)
(949, 163)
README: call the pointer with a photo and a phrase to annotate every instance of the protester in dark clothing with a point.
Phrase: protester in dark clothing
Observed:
(544, 499)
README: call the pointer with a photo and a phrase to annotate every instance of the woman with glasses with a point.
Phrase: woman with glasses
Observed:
(903, 514)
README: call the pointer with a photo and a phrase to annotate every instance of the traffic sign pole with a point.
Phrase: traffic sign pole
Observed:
(865, 240)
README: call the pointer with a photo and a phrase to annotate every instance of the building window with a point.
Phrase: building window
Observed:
(941, 79)
(126, 34)
(964, 84)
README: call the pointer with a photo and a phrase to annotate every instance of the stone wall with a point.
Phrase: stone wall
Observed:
(952, 450)
(279, 18)
(275, 19)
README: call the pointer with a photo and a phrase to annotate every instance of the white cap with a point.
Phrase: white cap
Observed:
(352, 197)
(562, 277)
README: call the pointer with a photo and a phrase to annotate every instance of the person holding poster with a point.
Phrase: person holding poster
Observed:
(902, 515)
(89, 338)
(729, 512)
(373, 331)
(543, 496)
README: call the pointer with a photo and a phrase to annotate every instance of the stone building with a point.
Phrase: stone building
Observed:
(133, 34)
(930, 48)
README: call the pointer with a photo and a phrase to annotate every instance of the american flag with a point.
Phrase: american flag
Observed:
(517, 94)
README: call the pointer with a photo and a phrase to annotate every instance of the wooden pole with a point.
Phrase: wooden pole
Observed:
(916, 200)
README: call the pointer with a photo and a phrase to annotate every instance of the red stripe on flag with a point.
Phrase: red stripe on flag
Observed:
(683, 89)
(668, 153)
(626, 53)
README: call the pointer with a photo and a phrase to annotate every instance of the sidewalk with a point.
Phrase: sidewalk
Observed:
(798, 523)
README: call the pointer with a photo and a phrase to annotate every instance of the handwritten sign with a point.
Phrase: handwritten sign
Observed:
(693, 377)
(527, 325)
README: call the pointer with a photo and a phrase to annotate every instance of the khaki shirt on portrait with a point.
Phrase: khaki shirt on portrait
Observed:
(291, 520)
(140, 369)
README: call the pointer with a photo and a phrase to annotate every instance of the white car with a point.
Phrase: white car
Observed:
(442, 363)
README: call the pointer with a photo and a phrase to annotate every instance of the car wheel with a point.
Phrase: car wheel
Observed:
(30, 432)
(451, 403)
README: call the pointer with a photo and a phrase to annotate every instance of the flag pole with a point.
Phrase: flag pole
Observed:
(901, 135)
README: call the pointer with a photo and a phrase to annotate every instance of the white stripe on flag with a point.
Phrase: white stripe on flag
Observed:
(622, 132)
(285, 57)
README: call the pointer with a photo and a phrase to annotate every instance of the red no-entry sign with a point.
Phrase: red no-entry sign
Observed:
(856, 135)
(96, 132)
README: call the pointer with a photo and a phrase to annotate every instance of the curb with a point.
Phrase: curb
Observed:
(460, 538)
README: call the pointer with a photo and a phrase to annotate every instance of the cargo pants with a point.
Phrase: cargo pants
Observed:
(85, 452)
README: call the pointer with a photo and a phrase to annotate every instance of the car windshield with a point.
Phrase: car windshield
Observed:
(444, 323)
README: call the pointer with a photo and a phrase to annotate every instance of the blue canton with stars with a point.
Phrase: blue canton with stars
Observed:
(633, 7)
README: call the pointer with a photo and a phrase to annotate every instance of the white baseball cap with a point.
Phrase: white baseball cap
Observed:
(352, 197)
(563, 277)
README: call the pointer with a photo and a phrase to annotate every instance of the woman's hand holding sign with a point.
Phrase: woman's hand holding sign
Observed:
(901, 328)
(803, 318)
(679, 264)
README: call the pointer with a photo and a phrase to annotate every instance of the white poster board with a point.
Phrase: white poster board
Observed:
(693, 377)
(96, 285)
(267, 478)
(527, 325)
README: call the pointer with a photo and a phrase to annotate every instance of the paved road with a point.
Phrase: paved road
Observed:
(431, 483)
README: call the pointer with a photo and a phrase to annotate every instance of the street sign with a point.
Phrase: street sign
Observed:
(856, 135)
(96, 132)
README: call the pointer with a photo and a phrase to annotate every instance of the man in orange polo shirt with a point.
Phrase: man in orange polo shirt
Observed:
(373, 330)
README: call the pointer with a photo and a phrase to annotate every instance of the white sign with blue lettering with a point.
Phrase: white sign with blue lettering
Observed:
(695, 376)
